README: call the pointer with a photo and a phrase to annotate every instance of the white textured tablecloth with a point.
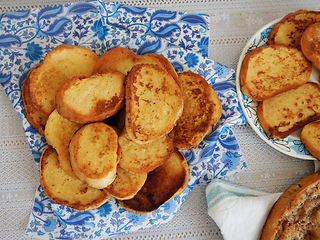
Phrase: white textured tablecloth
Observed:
(233, 22)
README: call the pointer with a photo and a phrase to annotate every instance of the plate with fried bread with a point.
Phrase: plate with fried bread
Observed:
(277, 82)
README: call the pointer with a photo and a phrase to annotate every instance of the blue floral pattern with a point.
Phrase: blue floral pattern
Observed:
(27, 36)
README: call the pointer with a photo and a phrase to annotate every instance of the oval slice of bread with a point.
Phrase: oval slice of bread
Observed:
(94, 154)
(310, 44)
(291, 27)
(126, 184)
(66, 190)
(58, 66)
(202, 111)
(58, 133)
(310, 137)
(296, 213)
(163, 184)
(269, 70)
(154, 103)
(142, 158)
(285, 113)
(91, 99)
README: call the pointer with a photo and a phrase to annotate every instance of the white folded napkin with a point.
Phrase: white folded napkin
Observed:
(239, 212)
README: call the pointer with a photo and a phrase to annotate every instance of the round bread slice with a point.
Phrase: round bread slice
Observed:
(58, 133)
(58, 66)
(202, 111)
(270, 70)
(154, 103)
(126, 184)
(163, 184)
(143, 158)
(310, 137)
(310, 44)
(94, 154)
(296, 213)
(91, 99)
(66, 190)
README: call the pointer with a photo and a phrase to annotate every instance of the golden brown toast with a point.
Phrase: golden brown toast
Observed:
(262, 72)
(94, 154)
(285, 113)
(93, 98)
(142, 158)
(126, 184)
(202, 111)
(163, 184)
(59, 65)
(310, 137)
(66, 190)
(295, 214)
(58, 133)
(154, 103)
(310, 44)
(291, 27)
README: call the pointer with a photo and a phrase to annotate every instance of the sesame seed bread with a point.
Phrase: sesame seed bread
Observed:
(262, 76)
(202, 111)
(285, 113)
(59, 65)
(310, 137)
(94, 154)
(154, 103)
(310, 44)
(66, 190)
(91, 99)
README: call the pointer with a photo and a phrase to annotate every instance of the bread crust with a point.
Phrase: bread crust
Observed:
(310, 44)
(310, 137)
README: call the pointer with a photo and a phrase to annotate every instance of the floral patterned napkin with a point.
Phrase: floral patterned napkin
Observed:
(25, 38)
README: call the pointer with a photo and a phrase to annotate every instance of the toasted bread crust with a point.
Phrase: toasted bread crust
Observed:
(262, 76)
(310, 44)
(66, 190)
(310, 137)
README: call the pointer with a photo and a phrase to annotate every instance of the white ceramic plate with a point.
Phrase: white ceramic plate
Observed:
(290, 145)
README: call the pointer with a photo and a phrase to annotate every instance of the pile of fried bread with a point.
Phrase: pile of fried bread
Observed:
(277, 77)
(114, 125)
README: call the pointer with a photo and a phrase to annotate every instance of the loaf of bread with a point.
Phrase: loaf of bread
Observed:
(310, 44)
(310, 137)
(285, 113)
(272, 69)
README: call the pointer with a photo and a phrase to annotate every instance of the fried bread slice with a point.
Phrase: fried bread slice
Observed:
(310, 137)
(94, 154)
(143, 158)
(162, 184)
(91, 99)
(126, 184)
(58, 133)
(291, 27)
(154, 103)
(310, 44)
(262, 72)
(66, 190)
(285, 113)
(202, 111)
(58, 66)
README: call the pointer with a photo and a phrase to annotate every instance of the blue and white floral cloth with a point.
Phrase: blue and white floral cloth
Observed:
(239, 212)
(27, 36)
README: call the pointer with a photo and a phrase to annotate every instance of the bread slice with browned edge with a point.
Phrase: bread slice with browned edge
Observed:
(154, 103)
(58, 133)
(164, 183)
(291, 27)
(272, 69)
(285, 113)
(310, 44)
(94, 154)
(58, 66)
(122, 60)
(143, 158)
(310, 137)
(296, 213)
(202, 111)
(91, 99)
(36, 118)
(66, 190)
(126, 184)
